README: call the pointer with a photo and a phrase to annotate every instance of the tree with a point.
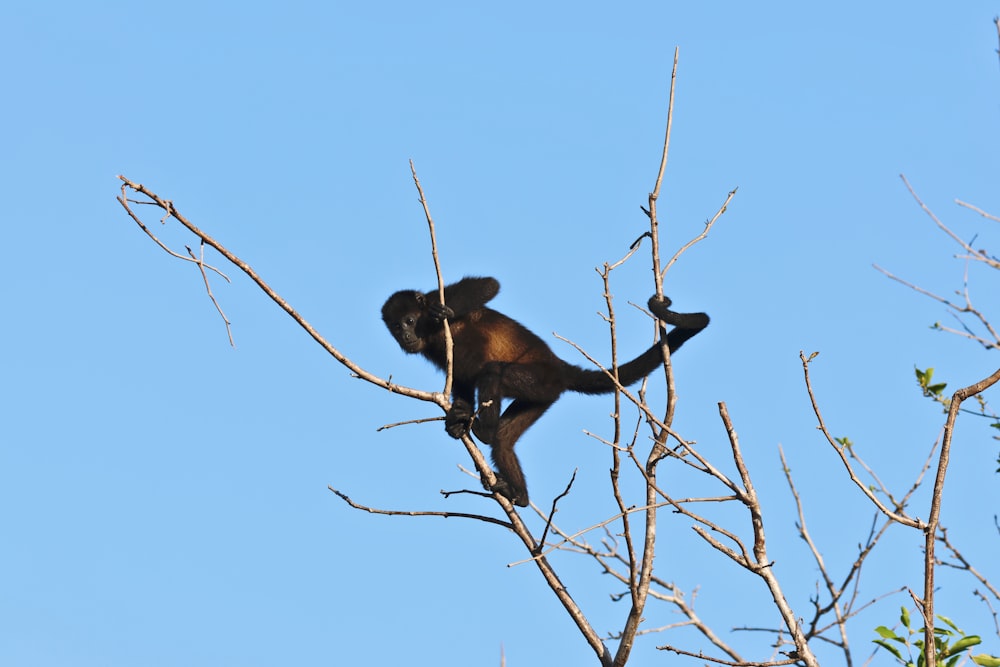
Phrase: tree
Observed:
(628, 550)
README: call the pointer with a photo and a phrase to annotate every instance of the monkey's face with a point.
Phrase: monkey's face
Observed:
(402, 314)
(404, 331)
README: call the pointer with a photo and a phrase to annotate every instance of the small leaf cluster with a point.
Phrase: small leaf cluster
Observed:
(936, 393)
(949, 643)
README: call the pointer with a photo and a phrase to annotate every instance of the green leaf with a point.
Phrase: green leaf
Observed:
(890, 648)
(904, 616)
(962, 644)
(886, 632)
(986, 660)
(951, 624)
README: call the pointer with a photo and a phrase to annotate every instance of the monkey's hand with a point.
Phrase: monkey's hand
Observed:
(458, 421)
(439, 312)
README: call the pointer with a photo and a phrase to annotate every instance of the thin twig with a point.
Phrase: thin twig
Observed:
(125, 204)
(834, 592)
(448, 344)
(840, 449)
(552, 512)
(964, 564)
(356, 370)
(704, 233)
(761, 565)
(720, 661)
(423, 420)
(208, 288)
(976, 254)
(445, 515)
(978, 210)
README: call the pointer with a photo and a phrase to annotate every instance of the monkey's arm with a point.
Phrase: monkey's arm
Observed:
(463, 297)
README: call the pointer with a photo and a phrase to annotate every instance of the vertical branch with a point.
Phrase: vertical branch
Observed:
(933, 519)
(761, 565)
(616, 441)
(654, 230)
(640, 589)
(448, 345)
(996, 22)
(832, 589)
(654, 224)
(518, 526)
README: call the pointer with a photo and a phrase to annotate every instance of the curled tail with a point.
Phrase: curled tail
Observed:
(686, 325)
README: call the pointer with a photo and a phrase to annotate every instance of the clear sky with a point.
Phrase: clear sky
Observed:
(165, 497)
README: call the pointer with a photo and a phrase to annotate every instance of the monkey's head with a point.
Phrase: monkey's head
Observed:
(404, 316)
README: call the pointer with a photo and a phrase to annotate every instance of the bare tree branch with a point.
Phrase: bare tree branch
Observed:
(978, 210)
(446, 515)
(841, 452)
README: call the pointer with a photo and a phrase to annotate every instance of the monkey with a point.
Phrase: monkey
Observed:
(495, 357)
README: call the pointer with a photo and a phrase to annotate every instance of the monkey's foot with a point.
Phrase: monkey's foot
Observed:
(503, 487)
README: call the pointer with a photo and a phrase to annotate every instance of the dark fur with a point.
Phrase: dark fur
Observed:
(498, 358)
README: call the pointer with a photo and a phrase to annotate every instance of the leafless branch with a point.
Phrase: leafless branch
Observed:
(832, 590)
(125, 204)
(977, 255)
(704, 233)
(720, 661)
(423, 420)
(445, 515)
(448, 343)
(170, 211)
(208, 287)
(988, 216)
(957, 310)
(761, 563)
(964, 564)
(642, 569)
(841, 452)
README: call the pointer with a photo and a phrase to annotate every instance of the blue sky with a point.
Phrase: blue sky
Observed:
(165, 497)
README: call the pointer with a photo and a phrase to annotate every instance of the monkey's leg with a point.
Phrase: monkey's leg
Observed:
(533, 383)
(534, 387)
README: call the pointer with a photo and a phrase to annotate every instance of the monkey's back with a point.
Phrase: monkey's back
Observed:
(487, 336)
